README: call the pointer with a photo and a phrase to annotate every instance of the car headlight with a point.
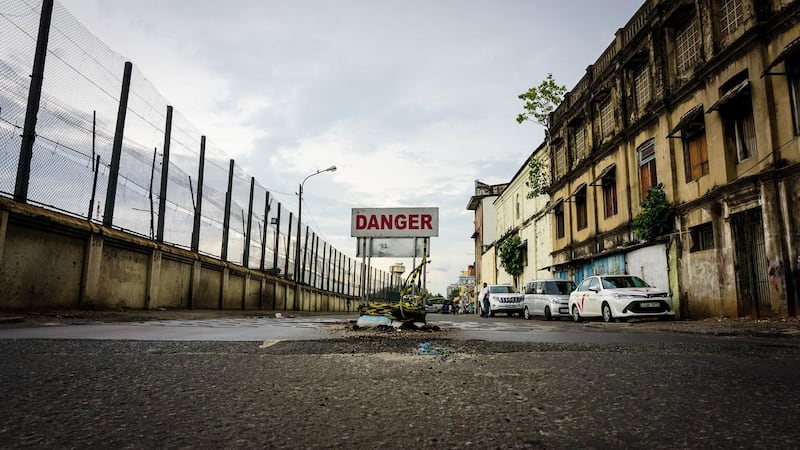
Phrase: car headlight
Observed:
(625, 296)
(555, 300)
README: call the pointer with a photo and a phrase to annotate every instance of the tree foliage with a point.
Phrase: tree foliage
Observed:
(538, 178)
(511, 257)
(655, 219)
(540, 102)
(454, 293)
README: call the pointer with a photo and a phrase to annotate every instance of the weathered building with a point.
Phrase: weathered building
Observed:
(517, 215)
(700, 96)
(485, 222)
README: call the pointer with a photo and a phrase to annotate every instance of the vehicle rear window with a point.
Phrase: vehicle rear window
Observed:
(559, 287)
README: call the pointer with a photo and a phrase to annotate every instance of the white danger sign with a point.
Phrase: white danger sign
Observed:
(395, 222)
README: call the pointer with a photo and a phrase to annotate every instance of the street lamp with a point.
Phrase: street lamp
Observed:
(299, 225)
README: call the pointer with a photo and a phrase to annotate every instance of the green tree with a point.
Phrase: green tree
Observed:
(454, 293)
(656, 216)
(540, 102)
(511, 257)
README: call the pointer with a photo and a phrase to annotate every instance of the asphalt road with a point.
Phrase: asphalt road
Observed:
(348, 388)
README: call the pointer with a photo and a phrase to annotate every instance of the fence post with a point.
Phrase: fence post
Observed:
(288, 246)
(199, 202)
(162, 193)
(264, 232)
(248, 232)
(316, 259)
(302, 278)
(226, 221)
(277, 237)
(94, 186)
(116, 150)
(34, 97)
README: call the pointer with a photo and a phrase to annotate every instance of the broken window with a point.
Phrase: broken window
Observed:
(648, 177)
(702, 237)
(687, 45)
(692, 129)
(736, 109)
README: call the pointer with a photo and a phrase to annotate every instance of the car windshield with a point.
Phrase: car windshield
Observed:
(559, 287)
(623, 282)
(502, 289)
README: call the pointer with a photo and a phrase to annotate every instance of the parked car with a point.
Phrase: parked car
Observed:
(433, 308)
(619, 297)
(548, 298)
(503, 298)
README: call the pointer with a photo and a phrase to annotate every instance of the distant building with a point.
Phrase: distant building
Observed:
(485, 234)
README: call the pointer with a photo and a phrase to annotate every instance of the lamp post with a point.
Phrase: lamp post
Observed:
(299, 225)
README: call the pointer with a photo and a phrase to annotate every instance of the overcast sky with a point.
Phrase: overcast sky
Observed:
(411, 100)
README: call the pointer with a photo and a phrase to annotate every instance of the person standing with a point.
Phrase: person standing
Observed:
(483, 297)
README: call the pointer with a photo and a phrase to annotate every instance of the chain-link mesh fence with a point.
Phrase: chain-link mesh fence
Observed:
(71, 162)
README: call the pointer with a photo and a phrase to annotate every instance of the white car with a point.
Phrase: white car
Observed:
(619, 297)
(548, 298)
(503, 298)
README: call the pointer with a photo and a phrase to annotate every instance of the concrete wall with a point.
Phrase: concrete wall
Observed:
(52, 261)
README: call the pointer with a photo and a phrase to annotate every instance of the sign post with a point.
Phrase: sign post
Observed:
(393, 229)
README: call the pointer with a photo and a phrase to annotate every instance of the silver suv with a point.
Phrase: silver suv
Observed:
(548, 298)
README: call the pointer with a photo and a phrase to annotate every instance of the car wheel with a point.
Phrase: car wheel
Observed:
(526, 314)
(576, 315)
(547, 314)
(607, 316)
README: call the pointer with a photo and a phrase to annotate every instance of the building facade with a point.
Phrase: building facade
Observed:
(699, 97)
(485, 234)
(527, 218)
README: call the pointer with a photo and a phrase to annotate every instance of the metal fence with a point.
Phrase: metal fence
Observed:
(170, 184)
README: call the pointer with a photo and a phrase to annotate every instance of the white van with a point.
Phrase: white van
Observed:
(548, 298)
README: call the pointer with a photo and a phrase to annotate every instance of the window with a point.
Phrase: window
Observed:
(740, 131)
(559, 212)
(607, 118)
(560, 162)
(702, 237)
(581, 219)
(578, 144)
(517, 206)
(687, 45)
(793, 74)
(641, 85)
(692, 131)
(731, 15)
(609, 183)
(695, 151)
(736, 109)
(648, 177)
